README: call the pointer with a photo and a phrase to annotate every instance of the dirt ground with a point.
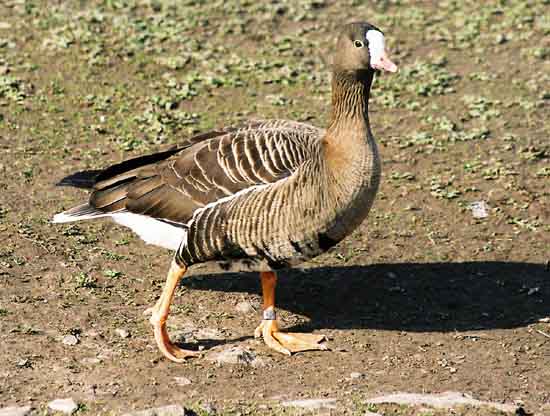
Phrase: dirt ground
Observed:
(423, 297)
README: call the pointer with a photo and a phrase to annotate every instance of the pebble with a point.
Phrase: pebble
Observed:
(244, 307)
(69, 340)
(235, 355)
(23, 363)
(355, 376)
(311, 404)
(209, 409)
(533, 290)
(122, 333)
(182, 381)
(170, 410)
(479, 209)
(67, 406)
(5, 25)
(91, 360)
(15, 411)
(209, 333)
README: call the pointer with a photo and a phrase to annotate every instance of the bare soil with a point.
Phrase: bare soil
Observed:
(423, 297)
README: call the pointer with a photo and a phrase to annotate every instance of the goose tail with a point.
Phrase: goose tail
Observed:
(85, 179)
(78, 213)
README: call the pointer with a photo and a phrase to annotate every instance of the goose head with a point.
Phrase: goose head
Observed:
(361, 47)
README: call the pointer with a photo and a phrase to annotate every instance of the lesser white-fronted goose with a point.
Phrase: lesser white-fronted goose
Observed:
(263, 196)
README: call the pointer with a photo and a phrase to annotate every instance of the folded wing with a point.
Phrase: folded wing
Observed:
(169, 186)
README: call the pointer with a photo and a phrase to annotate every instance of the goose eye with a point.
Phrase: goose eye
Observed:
(358, 44)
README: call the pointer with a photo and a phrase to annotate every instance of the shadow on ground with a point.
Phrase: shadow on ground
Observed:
(408, 296)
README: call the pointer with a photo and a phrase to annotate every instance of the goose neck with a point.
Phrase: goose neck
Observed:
(350, 97)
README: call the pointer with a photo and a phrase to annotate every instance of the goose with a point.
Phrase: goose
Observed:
(262, 196)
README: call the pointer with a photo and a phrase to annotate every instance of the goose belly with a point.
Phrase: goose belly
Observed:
(273, 228)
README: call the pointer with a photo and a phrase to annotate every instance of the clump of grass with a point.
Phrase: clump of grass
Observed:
(84, 280)
(443, 189)
(113, 274)
(430, 78)
(14, 88)
(481, 107)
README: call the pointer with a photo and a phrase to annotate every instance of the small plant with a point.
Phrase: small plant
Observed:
(112, 273)
(83, 280)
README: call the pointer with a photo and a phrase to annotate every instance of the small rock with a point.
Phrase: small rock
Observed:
(122, 333)
(479, 209)
(182, 381)
(69, 340)
(236, 355)
(183, 336)
(244, 307)
(369, 413)
(67, 406)
(209, 333)
(311, 404)
(533, 290)
(355, 376)
(23, 363)
(92, 333)
(91, 360)
(16, 411)
(209, 409)
(5, 25)
(170, 410)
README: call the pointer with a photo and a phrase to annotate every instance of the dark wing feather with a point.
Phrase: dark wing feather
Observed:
(171, 185)
(85, 179)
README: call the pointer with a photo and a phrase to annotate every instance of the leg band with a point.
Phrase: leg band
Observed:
(269, 314)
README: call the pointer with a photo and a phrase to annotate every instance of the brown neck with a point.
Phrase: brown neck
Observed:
(350, 97)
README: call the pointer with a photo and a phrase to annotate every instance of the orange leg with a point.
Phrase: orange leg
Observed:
(159, 315)
(285, 343)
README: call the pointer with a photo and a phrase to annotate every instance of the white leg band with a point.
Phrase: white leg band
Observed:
(269, 314)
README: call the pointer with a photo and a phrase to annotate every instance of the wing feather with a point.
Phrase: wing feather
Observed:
(207, 168)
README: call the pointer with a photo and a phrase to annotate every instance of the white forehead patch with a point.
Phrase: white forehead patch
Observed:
(376, 43)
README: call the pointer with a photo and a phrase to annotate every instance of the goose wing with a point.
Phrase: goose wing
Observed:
(171, 185)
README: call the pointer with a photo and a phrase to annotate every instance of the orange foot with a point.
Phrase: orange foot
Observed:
(168, 349)
(287, 342)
